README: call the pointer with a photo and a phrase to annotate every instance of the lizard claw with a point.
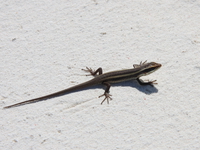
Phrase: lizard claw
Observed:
(107, 97)
(89, 70)
(152, 82)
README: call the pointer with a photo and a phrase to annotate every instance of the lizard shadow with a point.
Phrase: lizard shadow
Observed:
(147, 89)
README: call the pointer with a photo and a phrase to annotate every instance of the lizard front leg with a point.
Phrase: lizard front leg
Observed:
(141, 82)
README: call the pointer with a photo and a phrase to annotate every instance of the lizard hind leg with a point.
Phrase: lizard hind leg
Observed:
(93, 72)
(106, 93)
(107, 97)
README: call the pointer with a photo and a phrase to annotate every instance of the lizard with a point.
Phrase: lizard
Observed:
(106, 79)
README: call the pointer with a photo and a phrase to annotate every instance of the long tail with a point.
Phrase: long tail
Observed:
(60, 93)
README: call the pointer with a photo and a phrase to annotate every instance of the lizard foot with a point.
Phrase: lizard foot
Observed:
(92, 72)
(107, 97)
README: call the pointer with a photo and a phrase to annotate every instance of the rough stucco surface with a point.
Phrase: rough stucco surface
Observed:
(45, 44)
